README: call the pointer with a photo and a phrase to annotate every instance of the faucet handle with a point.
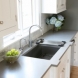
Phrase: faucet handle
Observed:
(42, 40)
(39, 41)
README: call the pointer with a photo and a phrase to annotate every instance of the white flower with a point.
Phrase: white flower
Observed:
(60, 17)
(53, 20)
(58, 23)
(47, 21)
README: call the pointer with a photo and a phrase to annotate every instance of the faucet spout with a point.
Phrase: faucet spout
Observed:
(30, 42)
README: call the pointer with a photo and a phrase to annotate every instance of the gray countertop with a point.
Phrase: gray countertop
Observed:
(28, 67)
(65, 35)
(25, 67)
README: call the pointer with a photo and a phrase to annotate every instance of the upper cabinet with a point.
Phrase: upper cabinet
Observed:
(53, 6)
(8, 17)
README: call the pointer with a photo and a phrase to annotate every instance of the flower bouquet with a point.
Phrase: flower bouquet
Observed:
(56, 20)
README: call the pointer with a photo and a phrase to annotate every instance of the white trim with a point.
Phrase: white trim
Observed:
(36, 12)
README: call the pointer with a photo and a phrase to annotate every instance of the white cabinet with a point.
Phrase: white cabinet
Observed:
(53, 6)
(8, 16)
(68, 62)
(75, 51)
(63, 69)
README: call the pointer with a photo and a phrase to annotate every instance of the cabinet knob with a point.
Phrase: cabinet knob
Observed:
(63, 70)
(16, 17)
(62, 4)
(1, 22)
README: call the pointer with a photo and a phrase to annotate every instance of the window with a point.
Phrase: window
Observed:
(28, 14)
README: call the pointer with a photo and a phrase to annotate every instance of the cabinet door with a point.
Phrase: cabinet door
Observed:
(67, 65)
(61, 71)
(75, 60)
(49, 6)
(64, 66)
(8, 14)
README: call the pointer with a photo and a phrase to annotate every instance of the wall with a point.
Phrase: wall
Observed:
(71, 15)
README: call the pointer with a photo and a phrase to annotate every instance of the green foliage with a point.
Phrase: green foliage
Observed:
(12, 52)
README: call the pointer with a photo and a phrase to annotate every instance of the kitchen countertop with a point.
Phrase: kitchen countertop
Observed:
(65, 35)
(28, 67)
(25, 67)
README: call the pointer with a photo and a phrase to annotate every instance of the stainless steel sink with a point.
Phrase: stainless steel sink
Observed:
(42, 51)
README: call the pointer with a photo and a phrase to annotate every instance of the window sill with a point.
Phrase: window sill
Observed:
(17, 38)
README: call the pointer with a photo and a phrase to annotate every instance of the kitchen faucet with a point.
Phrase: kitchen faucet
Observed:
(30, 42)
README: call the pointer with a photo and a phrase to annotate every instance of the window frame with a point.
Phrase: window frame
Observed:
(20, 24)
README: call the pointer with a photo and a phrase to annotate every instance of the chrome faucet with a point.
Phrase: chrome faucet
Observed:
(30, 42)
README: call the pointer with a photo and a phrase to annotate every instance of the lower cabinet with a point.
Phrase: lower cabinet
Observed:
(63, 69)
(8, 17)
(64, 66)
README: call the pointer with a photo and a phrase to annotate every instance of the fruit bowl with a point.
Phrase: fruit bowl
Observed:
(12, 56)
(11, 59)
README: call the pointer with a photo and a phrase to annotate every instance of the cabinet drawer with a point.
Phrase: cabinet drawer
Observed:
(61, 70)
(61, 66)
(64, 57)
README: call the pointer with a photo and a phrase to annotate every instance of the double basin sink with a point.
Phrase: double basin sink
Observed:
(43, 51)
